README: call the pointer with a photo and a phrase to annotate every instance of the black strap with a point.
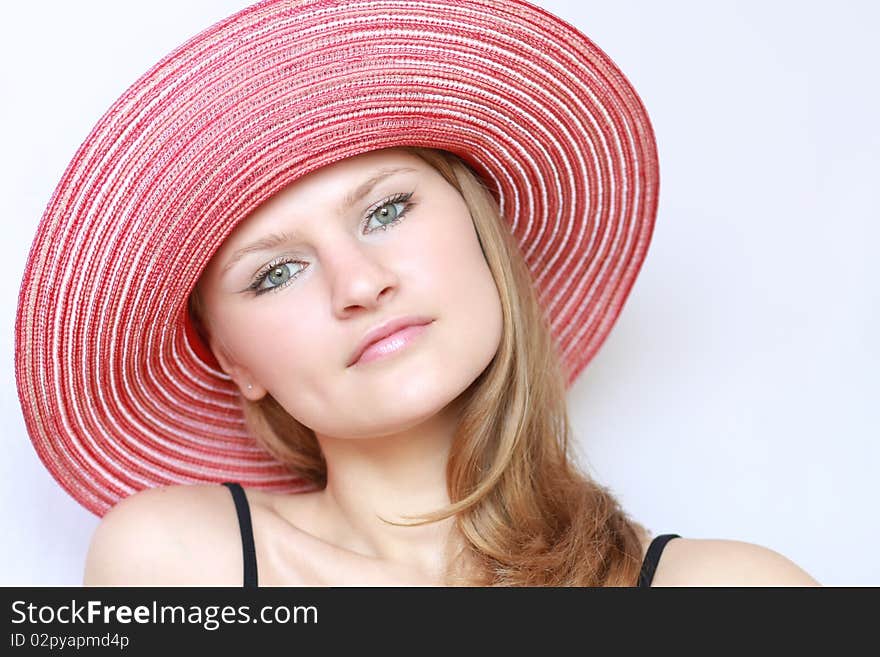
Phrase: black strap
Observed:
(248, 550)
(652, 558)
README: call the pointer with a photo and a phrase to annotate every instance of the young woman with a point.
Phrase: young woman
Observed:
(344, 260)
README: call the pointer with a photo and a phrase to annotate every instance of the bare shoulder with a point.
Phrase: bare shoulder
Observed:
(718, 562)
(167, 536)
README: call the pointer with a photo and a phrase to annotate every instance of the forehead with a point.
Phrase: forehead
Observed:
(332, 183)
(358, 165)
(335, 180)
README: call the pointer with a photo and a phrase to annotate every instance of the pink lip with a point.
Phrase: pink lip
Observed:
(389, 338)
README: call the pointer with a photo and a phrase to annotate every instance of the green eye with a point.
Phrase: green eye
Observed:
(389, 212)
(278, 275)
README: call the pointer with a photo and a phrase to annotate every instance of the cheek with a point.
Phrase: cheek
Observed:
(458, 286)
(444, 255)
(277, 347)
(469, 273)
(292, 357)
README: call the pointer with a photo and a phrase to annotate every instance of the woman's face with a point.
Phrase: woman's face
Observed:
(368, 239)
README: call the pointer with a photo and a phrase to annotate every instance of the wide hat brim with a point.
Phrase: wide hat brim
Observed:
(117, 390)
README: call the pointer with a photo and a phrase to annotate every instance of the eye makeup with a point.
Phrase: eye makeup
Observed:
(281, 262)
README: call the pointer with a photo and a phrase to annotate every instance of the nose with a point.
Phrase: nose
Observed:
(358, 276)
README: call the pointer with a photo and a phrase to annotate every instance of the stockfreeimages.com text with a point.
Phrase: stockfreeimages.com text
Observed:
(210, 616)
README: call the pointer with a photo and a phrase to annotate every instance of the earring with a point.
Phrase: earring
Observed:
(249, 386)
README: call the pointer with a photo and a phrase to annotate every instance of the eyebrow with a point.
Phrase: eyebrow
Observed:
(273, 240)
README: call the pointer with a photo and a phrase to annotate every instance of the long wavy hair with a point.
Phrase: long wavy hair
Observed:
(527, 514)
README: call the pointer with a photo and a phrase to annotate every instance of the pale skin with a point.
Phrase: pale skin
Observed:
(384, 427)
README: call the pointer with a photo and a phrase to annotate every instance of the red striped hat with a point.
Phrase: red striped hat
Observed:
(119, 393)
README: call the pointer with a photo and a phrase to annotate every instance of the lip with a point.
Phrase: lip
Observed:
(384, 330)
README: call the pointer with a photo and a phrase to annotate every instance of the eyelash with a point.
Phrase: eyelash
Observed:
(284, 260)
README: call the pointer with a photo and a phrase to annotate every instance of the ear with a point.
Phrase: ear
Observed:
(240, 375)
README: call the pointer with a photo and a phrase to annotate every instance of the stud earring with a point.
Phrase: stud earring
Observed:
(249, 386)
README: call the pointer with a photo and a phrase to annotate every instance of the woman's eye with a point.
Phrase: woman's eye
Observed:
(278, 276)
(389, 213)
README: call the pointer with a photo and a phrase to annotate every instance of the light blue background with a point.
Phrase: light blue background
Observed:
(737, 396)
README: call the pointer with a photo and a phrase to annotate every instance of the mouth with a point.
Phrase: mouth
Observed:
(389, 339)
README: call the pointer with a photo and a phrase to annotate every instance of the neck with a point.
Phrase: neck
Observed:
(391, 476)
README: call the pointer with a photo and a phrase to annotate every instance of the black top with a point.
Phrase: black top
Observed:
(652, 558)
(248, 549)
(249, 552)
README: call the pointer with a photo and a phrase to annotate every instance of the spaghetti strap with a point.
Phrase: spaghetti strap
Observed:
(652, 558)
(248, 550)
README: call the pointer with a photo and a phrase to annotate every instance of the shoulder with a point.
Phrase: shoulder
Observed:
(167, 536)
(717, 562)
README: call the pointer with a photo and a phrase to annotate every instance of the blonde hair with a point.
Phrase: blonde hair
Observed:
(527, 515)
